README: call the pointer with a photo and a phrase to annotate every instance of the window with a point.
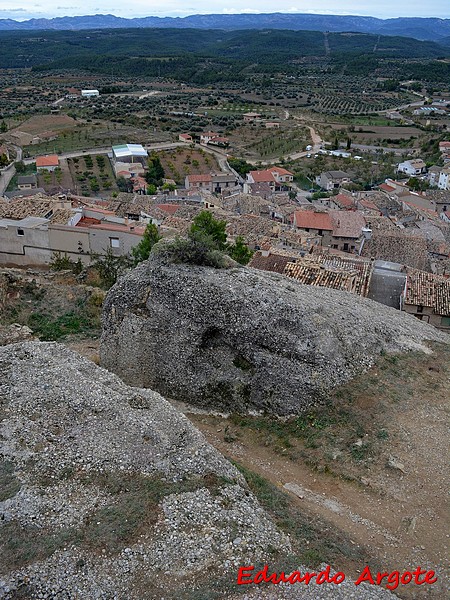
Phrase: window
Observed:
(114, 242)
(420, 309)
(20, 232)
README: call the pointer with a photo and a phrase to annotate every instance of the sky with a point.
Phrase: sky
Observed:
(10, 9)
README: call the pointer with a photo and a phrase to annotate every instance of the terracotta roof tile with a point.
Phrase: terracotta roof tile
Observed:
(427, 289)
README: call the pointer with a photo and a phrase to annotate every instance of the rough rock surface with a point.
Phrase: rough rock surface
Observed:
(107, 489)
(11, 334)
(241, 339)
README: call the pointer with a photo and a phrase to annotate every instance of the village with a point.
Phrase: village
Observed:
(390, 243)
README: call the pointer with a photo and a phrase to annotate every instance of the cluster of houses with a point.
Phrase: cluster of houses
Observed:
(209, 138)
(437, 175)
(390, 244)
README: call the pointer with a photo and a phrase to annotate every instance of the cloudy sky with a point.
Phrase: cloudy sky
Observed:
(140, 8)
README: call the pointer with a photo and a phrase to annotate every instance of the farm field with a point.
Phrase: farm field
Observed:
(92, 175)
(181, 161)
(92, 135)
(57, 181)
(375, 133)
(258, 143)
(39, 124)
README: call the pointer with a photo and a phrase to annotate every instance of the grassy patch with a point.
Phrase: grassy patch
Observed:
(9, 484)
(313, 541)
(355, 427)
(51, 329)
(135, 507)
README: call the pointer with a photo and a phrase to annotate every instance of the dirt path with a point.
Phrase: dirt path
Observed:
(397, 512)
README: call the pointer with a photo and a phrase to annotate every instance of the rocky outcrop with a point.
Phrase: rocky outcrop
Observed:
(240, 339)
(11, 334)
(107, 491)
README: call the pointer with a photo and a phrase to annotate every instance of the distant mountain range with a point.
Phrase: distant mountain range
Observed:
(419, 28)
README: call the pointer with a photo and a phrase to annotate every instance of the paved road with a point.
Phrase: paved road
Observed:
(106, 150)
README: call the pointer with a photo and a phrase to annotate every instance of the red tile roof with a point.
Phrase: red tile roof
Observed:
(343, 201)
(199, 178)
(386, 188)
(347, 223)
(51, 160)
(308, 219)
(368, 204)
(87, 222)
(268, 175)
(171, 209)
(262, 176)
(280, 171)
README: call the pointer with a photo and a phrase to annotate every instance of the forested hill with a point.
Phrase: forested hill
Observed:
(419, 28)
(206, 56)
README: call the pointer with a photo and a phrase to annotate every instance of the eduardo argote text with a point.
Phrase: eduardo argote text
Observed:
(390, 580)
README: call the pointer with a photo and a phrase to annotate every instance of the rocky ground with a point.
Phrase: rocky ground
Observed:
(109, 492)
(107, 487)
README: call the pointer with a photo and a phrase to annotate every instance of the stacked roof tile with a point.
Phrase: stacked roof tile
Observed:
(427, 289)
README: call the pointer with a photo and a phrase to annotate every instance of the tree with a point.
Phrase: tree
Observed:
(205, 224)
(349, 143)
(170, 187)
(142, 251)
(418, 185)
(123, 184)
(239, 251)
(155, 173)
(3, 127)
(20, 166)
(206, 245)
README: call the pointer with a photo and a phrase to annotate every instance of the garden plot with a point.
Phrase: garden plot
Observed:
(92, 175)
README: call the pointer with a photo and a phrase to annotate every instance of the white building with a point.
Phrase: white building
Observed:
(129, 153)
(412, 167)
(444, 179)
(89, 93)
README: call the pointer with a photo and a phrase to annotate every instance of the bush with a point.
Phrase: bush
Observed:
(110, 267)
(63, 263)
(206, 245)
(196, 250)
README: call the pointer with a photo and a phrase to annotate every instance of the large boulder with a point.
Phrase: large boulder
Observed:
(239, 339)
(106, 491)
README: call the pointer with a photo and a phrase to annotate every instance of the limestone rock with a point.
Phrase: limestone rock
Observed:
(238, 339)
(106, 487)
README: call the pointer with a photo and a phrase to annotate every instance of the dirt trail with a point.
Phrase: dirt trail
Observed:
(397, 513)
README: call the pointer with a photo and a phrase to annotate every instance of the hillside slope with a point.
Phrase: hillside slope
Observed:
(421, 28)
